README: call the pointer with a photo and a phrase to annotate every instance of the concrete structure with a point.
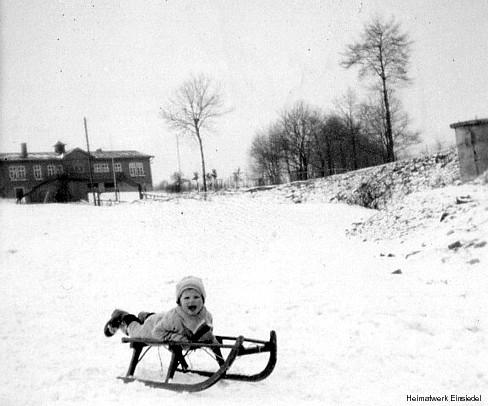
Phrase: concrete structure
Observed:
(65, 175)
(472, 144)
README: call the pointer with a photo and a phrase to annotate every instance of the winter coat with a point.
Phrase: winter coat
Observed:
(176, 325)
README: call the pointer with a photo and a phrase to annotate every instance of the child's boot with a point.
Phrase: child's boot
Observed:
(142, 316)
(119, 319)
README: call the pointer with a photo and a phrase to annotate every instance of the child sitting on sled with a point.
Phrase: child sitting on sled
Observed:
(189, 321)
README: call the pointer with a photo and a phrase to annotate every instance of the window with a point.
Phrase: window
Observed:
(136, 169)
(37, 172)
(101, 168)
(117, 167)
(17, 172)
(54, 170)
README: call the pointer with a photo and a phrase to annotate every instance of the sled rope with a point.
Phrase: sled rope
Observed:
(213, 356)
(144, 353)
(161, 373)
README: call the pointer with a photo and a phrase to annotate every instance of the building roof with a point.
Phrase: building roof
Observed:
(119, 154)
(51, 156)
(32, 156)
(470, 123)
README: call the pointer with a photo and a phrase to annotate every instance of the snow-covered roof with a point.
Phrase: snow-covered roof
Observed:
(31, 156)
(48, 156)
(119, 154)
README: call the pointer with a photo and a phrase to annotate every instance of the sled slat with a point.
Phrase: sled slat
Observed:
(246, 340)
(156, 343)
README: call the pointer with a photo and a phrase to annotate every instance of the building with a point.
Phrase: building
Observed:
(472, 145)
(61, 175)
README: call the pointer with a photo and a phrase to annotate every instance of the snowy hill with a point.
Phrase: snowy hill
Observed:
(370, 305)
(420, 202)
(385, 183)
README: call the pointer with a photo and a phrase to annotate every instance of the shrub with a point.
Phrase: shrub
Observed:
(373, 194)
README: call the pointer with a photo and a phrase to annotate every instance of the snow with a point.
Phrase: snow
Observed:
(350, 331)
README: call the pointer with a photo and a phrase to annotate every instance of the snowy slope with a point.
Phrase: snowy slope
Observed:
(350, 332)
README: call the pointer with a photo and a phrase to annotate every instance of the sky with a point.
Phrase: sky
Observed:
(117, 63)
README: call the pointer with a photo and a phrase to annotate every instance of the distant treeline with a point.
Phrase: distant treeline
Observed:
(305, 142)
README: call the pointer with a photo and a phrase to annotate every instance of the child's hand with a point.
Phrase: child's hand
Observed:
(202, 330)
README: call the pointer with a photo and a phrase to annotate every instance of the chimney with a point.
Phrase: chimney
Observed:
(59, 148)
(23, 150)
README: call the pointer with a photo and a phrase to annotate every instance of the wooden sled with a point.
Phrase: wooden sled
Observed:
(237, 346)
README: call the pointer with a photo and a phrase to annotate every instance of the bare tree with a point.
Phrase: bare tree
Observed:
(382, 51)
(347, 107)
(237, 177)
(194, 106)
(214, 176)
(195, 178)
(372, 113)
(267, 153)
(208, 177)
(322, 141)
(177, 179)
(330, 148)
(296, 124)
(374, 124)
(402, 134)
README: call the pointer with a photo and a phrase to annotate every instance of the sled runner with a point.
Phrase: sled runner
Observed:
(235, 346)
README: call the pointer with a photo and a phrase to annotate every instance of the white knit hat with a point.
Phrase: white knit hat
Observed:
(190, 282)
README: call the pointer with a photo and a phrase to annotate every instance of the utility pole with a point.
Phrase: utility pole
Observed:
(89, 163)
(178, 152)
(115, 178)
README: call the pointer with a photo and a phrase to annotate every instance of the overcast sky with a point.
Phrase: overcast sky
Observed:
(117, 62)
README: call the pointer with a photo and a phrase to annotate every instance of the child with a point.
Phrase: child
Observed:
(189, 321)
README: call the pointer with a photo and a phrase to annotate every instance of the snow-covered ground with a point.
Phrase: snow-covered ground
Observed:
(350, 331)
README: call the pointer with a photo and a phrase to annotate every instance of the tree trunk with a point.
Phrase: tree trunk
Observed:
(390, 154)
(323, 170)
(305, 169)
(342, 155)
(330, 159)
(354, 147)
(197, 130)
(288, 167)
